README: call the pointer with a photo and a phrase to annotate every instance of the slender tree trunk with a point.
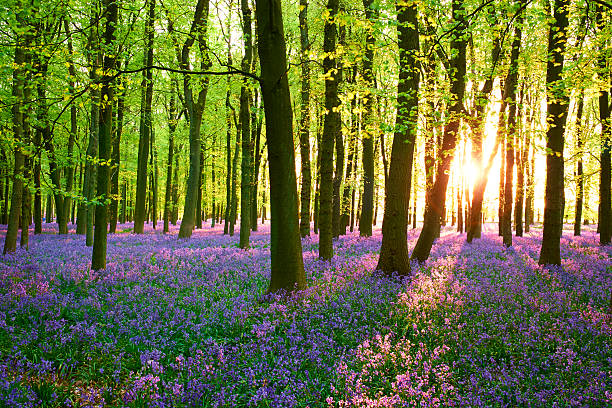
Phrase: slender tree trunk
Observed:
(246, 172)
(172, 122)
(349, 178)
(605, 175)
(256, 123)
(98, 258)
(511, 96)
(554, 200)
(145, 122)
(367, 205)
(228, 150)
(287, 267)
(394, 255)
(234, 206)
(195, 109)
(37, 188)
(331, 127)
(317, 190)
(305, 122)
(116, 162)
(579, 170)
(71, 169)
(433, 213)
(19, 74)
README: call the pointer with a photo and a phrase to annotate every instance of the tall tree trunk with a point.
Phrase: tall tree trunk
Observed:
(305, 122)
(246, 172)
(511, 96)
(195, 109)
(287, 267)
(116, 162)
(605, 175)
(256, 124)
(367, 205)
(172, 122)
(19, 74)
(228, 151)
(349, 177)
(520, 174)
(394, 255)
(331, 127)
(70, 170)
(433, 212)
(234, 191)
(37, 187)
(98, 257)
(317, 191)
(145, 122)
(579, 170)
(557, 104)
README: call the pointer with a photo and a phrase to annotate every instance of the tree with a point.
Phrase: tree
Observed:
(367, 207)
(195, 109)
(437, 199)
(287, 265)
(305, 122)
(394, 255)
(511, 98)
(98, 258)
(331, 126)
(245, 120)
(145, 122)
(557, 104)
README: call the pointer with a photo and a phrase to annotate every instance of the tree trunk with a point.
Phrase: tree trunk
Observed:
(394, 255)
(10, 242)
(433, 212)
(195, 109)
(145, 122)
(256, 123)
(367, 205)
(331, 127)
(228, 151)
(98, 258)
(116, 162)
(511, 97)
(172, 122)
(579, 170)
(287, 267)
(305, 122)
(71, 169)
(605, 175)
(246, 173)
(557, 104)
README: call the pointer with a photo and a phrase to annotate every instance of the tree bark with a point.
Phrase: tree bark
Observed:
(172, 122)
(511, 95)
(246, 173)
(116, 161)
(19, 73)
(331, 127)
(287, 267)
(554, 201)
(579, 170)
(367, 205)
(305, 122)
(145, 122)
(98, 258)
(605, 175)
(195, 109)
(433, 212)
(394, 255)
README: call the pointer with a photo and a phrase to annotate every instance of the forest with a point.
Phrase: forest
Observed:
(266, 203)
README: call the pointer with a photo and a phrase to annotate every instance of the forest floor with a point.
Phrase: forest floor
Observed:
(184, 323)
